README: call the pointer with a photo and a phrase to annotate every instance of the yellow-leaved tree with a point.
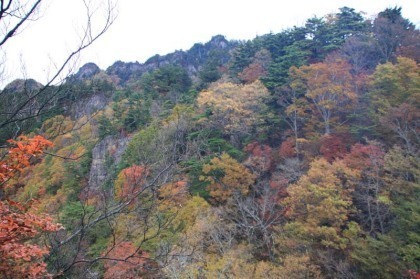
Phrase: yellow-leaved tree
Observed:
(319, 205)
(227, 177)
(238, 110)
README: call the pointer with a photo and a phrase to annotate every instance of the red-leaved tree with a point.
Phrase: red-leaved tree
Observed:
(20, 255)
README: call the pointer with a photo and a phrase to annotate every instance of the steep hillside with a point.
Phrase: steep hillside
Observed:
(292, 155)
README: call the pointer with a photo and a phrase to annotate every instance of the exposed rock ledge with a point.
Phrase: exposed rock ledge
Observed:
(105, 156)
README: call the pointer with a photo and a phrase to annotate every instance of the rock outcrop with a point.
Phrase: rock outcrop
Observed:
(87, 71)
(191, 60)
(88, 105)
(105, 156)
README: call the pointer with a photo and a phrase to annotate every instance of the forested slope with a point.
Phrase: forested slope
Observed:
(292, 155)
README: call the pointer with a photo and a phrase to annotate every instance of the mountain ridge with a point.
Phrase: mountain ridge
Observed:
(191, 60)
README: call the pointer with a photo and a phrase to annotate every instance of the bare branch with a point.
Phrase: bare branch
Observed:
(25, 17)
(49, 95)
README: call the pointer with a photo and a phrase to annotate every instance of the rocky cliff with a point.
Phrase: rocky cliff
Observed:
(105, 156)
(87, 71)
(191, 60)
(88, 106)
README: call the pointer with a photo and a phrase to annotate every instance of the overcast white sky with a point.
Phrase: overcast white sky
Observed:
(145, 28)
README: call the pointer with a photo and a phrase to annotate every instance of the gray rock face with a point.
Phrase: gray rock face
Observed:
(105, 156)
(125, 71)
(191, 60)
(86, 71)
(88, 106)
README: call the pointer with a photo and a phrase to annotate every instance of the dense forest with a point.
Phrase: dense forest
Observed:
(292, 155)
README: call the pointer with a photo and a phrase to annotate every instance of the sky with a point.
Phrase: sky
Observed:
(145, 28)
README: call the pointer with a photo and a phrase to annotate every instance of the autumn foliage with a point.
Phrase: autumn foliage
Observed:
(293, 155)
(235, 108)
(130, 181)
(127, 261)
(261, 157)
(333, 147)
(227, 177)
(20, 256)
(320, 204)
(173, 194)
(329, 89)
(19, 155)
(287, 149)
(17, 229)
(258, 68)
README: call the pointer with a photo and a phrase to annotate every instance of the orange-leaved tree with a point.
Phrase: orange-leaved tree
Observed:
(133, 263)
(129, 182)
(20, 256)
(329, 89)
